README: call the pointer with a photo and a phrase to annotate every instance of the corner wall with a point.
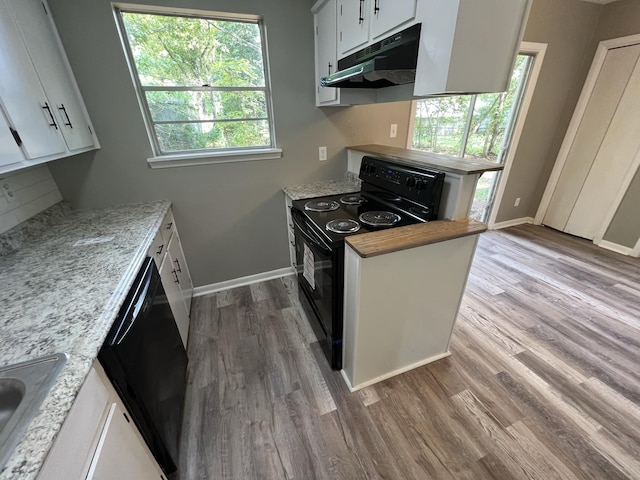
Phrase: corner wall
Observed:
(231, 216)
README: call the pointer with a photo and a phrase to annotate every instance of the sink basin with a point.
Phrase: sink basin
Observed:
(23, 388)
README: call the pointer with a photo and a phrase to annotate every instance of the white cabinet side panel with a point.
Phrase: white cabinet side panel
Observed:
(405, 308)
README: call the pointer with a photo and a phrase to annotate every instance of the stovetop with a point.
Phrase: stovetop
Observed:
(412, 194)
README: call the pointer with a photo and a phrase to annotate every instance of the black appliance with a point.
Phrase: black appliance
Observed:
(145, 359)
(391, 195)
(391, 61)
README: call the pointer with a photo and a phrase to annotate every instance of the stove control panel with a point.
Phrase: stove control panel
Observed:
(404, 180)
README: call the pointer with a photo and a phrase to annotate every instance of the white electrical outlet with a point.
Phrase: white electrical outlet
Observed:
(7, 191)
(393, 132)
(322, 153)
(517, 202)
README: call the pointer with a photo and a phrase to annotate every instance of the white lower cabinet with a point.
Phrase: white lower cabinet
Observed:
(171, 284)
(98, 440)
(167, 253)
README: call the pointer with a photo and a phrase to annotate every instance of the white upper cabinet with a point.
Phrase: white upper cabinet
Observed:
(325, 42)
(326, 55)
(25, 103)
(10, 152)
(353, 25)
(51, 63)
(387, 15)
(360, 21)
(466, 46)
(44, 112)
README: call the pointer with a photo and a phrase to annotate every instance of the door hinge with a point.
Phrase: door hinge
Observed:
(90, 131)
(44, 7)
(16, 136)
(340, 9)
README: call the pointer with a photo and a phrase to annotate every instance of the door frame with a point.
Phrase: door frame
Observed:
(537, 50)
(578, 114)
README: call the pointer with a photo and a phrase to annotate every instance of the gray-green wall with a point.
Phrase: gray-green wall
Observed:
(567, 27)
(231, 216)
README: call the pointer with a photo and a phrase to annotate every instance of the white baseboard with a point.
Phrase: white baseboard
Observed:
(391, 374)
(239, 282)
(615, 247)
(512, 223)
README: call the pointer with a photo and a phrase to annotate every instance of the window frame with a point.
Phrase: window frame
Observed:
(162, 159)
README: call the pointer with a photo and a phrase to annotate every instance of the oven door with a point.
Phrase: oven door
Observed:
(320, 286)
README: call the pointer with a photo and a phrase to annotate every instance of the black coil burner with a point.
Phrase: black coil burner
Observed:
(321, 206)
(355, 199)
(343, 226)
(380, 218)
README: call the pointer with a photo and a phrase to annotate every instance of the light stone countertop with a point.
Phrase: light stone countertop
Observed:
(349, 184)
(57, 297)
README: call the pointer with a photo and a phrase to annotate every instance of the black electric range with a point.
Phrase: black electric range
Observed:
(391, 195)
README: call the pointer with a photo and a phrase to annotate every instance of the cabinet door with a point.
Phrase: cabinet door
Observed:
(326, 50)
(171, 284)
(387, 15)
(121, 453)
(41, 38)
(179, 264)
(23, 98)
(9, 150)
(353, 24)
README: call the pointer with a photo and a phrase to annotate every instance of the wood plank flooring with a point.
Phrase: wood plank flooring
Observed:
(543, 381)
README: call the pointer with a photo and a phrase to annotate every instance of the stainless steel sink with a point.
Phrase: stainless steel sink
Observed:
(23, 388)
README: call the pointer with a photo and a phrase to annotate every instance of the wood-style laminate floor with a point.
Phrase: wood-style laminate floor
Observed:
(543, 380)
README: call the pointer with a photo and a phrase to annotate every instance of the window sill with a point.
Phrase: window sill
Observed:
(190, 159)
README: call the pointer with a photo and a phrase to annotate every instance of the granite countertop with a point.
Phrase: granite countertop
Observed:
(402, 238)
(444, 163)
(350, 183)
(57, 296)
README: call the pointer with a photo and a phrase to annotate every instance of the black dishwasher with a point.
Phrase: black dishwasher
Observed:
(145, 360)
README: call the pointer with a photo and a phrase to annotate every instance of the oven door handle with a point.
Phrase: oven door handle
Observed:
(308, 234)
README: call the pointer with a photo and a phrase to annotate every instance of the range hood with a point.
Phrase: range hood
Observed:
(386, 63)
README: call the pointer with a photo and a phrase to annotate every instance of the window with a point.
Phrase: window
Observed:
(201, 80)
(474, 126)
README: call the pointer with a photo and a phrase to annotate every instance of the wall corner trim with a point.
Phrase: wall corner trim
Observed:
(239, 282)
(511, 223)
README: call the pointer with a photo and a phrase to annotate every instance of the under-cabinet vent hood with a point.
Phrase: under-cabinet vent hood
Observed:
(452, 47)
(386, 63)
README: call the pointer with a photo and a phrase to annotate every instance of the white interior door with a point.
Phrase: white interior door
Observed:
(602, 150)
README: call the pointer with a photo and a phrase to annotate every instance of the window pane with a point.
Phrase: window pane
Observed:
(185, 105)
(186, 51)
(491, 116)
(176, 137)
(440, 123)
